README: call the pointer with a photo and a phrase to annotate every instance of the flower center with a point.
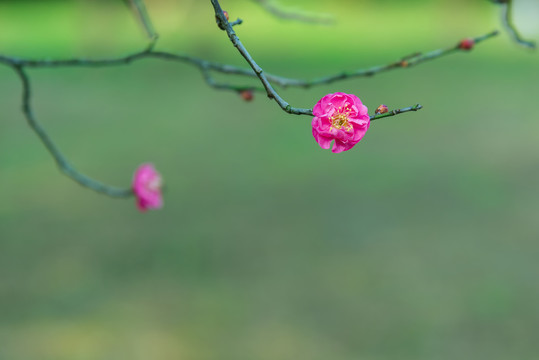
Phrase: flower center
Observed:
(154, 184)
(339, 120)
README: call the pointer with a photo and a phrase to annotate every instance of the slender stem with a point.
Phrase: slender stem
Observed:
(507, 19)
(139, 8)
(61, 161)
(203, 65)
(206, 67)
(405, 62)
(296, 16)
(237, 22)
(272, 94)
(396, 112)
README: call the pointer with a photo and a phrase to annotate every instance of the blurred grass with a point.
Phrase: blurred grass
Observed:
(421, 243)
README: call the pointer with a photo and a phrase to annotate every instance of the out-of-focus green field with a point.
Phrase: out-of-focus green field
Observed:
(420, 243)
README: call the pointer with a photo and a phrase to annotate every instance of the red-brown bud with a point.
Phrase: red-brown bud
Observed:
(467, 44)
(247, 95)
(221, 25)
(382, 109)
(404, 63)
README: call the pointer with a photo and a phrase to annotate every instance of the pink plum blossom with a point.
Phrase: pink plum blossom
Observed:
(147, 188)
(340, 117)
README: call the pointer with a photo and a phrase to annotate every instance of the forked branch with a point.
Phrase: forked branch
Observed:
(507, 20)
(20, 65)
(280, 13)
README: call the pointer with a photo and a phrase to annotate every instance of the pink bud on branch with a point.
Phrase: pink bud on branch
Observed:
(467, 44)
(147, 185)
(247, 95)
(221, 25)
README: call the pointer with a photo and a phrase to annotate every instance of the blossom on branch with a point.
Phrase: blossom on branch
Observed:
(340, 117)
(147, 188)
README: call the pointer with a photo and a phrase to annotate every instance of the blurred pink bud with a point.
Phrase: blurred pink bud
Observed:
(247, 95)
(340, 117)
(147, 188)
(467, 44)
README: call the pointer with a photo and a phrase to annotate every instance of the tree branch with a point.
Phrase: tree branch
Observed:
(205, 67)
(272, 94)
(139, 9)
(507, 19)
(396, 112)
(296, 16)
(61, 161)
(405, 62)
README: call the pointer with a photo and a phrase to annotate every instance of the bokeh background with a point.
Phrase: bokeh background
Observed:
(420, 243)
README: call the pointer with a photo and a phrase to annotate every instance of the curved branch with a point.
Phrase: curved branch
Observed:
(397, 112)
(405, 62)
(272, 94)
(296, 16)
(205, 65)
(507, 18)
(61, 161)
(139, 9)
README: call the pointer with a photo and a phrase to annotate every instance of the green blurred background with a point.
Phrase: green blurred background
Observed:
(420, 243)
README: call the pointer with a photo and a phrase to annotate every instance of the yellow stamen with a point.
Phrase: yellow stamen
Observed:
(340, 119)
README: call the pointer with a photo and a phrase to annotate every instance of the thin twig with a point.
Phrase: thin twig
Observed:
(225, 86)
(296, 16)
(396, 112)
(139, 8)
(202, 64)
(61, 161)
(237, 22)
(272, 94)
(19, 65)
(405, 62)
(507, 19)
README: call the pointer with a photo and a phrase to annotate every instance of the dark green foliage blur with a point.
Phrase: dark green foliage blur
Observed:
(420, 243)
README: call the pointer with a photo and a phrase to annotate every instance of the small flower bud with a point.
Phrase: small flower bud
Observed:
(222, 26)
(247, 95)
(404, 63)
(466, 44)
(382, 109)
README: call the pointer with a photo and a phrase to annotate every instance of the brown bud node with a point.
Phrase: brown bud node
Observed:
(218, 21)
(467, 44)
(247, 95)
(382, 109)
